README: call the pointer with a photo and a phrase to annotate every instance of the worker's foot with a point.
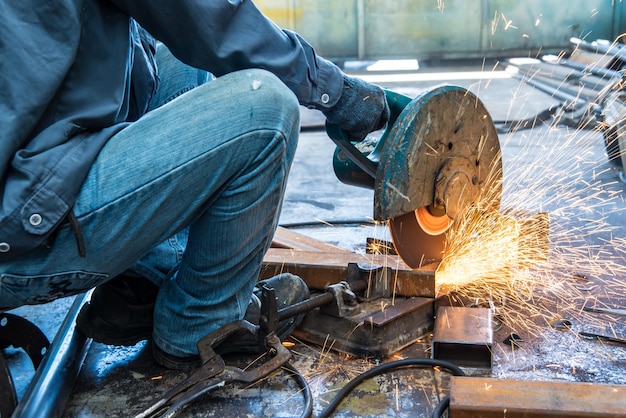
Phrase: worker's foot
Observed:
(120, 311)
(289, 290)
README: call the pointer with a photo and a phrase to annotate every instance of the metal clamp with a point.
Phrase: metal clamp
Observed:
(214, 373)
(344, 301)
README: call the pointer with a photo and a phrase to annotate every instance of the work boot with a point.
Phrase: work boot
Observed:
(120, 311)
(289, 290)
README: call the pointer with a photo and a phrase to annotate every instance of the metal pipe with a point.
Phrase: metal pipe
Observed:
(316, 301)
(585, 68)
(52, 384)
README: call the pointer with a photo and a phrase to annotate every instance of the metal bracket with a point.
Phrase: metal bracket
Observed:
(21, 333)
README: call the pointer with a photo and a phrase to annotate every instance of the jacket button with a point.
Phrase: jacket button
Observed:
(35, 219)
(4, 247)
(325, 98)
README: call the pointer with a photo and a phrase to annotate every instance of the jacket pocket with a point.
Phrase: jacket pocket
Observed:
(32, 290)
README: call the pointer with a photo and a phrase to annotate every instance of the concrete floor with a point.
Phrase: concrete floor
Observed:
(542, 163)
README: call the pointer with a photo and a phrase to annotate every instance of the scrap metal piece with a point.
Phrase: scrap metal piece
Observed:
(463, 336)
(561, 324)
(513, 340)
(602, 337)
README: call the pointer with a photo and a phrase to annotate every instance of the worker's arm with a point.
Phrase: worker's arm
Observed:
(222, 36)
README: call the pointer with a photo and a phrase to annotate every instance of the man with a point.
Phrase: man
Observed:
(140, 177)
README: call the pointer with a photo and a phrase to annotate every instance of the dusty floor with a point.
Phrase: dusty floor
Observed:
(549, 169)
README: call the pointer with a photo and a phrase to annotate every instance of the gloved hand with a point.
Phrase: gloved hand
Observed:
(361, 109)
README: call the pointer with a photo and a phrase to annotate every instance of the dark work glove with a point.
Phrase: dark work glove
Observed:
(361, 109)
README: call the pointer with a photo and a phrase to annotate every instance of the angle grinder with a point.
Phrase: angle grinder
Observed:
(438, 155)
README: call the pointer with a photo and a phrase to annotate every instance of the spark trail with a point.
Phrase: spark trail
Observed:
(489, 258)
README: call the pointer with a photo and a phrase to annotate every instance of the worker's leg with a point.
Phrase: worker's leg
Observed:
(175, 79)
(215, 160)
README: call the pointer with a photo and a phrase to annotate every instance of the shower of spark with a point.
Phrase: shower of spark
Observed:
(496, 258)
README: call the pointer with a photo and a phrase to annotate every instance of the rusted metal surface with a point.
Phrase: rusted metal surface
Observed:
(319, 269)
(463, 336)
(378, 329)
(486, 397)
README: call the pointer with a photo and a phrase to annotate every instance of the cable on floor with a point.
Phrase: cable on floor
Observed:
(305, 388)
(384, 368)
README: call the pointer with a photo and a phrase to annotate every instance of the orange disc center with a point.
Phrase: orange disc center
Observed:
(431, 224)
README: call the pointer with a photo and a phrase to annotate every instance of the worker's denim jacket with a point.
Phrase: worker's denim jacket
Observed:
(75, 72)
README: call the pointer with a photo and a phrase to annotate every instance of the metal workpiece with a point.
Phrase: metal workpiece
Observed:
(463, 336)
(360, 316)
(319, 269)
(488, 397)
(378, 329)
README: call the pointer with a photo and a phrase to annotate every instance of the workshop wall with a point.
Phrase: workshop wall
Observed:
(445, 29)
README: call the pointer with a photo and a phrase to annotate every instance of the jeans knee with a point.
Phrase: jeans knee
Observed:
(273, 95)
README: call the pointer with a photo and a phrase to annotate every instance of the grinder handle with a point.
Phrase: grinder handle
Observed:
(369, 164)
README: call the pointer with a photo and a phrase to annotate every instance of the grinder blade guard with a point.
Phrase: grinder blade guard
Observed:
(438, 155)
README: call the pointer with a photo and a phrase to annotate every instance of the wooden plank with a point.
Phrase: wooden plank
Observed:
(319, 269)
(487, 397)
(286, 238)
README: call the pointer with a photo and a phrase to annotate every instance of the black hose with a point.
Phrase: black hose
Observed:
(441, 407)
(383, 368)
(306, 390)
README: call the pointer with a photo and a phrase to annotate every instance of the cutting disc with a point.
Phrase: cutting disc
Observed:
(441, 155)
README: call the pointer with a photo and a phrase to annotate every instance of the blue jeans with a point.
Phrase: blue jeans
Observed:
(188, 196)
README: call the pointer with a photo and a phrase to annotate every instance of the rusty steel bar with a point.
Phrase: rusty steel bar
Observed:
(319, 269)
(489, 397)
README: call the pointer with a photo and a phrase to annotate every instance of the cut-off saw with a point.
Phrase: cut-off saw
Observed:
(438, 155)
